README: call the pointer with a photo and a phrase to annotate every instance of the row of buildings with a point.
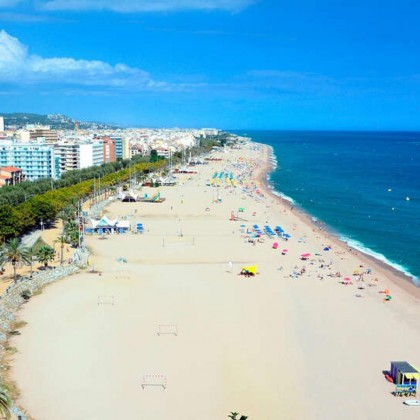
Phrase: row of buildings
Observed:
(39, 159)
(42, 152)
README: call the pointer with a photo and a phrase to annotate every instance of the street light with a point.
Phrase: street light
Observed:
(42, 224)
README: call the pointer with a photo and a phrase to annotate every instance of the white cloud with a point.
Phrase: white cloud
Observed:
(18, 66)
(129, 6)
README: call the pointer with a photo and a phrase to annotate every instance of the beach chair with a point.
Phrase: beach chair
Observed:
(278, 229)
(140, 228)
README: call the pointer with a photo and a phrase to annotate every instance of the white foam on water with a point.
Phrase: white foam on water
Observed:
(273, 159)
(353, 243)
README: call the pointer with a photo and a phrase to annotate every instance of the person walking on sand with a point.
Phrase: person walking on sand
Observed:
(230, 266)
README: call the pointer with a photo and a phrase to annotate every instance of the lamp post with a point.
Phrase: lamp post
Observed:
(42, 224)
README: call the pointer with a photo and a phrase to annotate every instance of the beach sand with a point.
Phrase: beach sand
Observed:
(50, 237)
(270, 346)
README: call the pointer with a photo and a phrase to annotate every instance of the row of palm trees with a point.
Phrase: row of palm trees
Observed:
(16, 254)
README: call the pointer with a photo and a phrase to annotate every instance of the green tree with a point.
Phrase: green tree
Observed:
(62, 240)
(31, 255)
(4, 404)
(44, 208)
(10, 223)
(12, 252)
(153, 156)
(71, 231)
(45, 254)
(68, 213)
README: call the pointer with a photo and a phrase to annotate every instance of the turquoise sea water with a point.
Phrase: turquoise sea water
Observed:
(364, 185)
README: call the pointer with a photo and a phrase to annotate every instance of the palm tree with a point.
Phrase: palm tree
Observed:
(45, 254)
(62, 240)
(71, 231)
(68, 213)
(31, 258)
(14, 253)
(4, 404)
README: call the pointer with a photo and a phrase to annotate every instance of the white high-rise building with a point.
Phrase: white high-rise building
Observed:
(79, 155)
(1, 123)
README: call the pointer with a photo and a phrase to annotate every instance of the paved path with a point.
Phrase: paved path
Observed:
(30, 239)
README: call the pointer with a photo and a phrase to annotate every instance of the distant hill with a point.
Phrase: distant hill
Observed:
(55, 121)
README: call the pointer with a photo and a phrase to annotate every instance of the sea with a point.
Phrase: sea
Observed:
(365, 187)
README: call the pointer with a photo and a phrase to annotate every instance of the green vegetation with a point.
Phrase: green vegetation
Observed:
(207, 143)
(12, 252)
(45, 254)
(43, 207)
(62, 240)
(30, 205)
(57, 121)
(26, 294)
(4, 404)
(154, 157)
(18, 194)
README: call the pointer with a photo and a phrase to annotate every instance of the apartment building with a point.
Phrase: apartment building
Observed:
(109, 150)
(36, 160)
(118, 146)
(79, 155)
(50, 136)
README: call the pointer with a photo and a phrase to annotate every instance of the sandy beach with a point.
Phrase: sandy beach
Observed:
(293, 342)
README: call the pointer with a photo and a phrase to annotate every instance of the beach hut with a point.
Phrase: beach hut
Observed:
(129, 197)
(122, 226)
(104, 225)
(405, 376)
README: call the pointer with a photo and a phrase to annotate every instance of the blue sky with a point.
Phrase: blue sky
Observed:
(263, 64)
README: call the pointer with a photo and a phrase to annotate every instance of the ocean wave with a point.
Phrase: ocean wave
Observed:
(273, 159)
(281, 195)
(353, 243)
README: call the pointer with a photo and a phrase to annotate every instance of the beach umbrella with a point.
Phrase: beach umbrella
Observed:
(286, 235)
(306, 255)
(285, 250)
(326, 249)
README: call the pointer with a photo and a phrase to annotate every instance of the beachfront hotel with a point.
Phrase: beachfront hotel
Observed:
(35, 159)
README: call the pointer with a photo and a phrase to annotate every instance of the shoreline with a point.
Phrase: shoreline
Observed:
(398, 277)
(238, 336)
